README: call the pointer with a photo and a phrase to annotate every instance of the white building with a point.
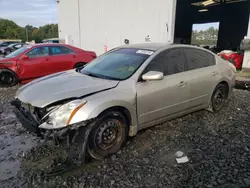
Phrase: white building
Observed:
(100, 25)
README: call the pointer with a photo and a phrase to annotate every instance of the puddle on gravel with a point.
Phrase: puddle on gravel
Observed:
(13, 145)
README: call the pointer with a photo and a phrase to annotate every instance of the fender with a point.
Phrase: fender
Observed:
(90, 112)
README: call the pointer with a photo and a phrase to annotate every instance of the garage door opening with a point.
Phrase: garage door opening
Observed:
(205, 35)
(233, 16)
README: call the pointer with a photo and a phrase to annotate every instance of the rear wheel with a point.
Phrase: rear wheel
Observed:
(108, 135)
(8, 78)
(219, 97)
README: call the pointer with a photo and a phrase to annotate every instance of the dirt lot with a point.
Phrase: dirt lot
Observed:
(218, 147)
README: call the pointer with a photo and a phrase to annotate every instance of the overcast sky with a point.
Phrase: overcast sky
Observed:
(29, 12)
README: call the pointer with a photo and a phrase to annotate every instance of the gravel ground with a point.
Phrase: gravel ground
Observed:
(217, 145)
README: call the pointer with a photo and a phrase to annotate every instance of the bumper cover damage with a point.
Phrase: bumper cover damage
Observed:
(68, 136)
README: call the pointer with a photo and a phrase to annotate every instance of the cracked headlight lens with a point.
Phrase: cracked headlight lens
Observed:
(62, 116)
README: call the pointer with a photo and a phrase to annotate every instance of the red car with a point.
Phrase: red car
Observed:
(235, 58)
(34, 61)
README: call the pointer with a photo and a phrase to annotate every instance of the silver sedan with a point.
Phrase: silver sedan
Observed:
(123, 91)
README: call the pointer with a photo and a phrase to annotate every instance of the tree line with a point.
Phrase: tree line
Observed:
(206, 37)
(10, 30)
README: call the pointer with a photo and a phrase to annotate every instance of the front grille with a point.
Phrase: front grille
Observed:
(30, 109)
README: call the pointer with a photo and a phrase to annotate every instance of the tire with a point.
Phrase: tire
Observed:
(8, 78)
(79, 65)
(108, 135)
(219, 98)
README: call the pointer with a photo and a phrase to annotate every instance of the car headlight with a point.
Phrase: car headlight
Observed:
(62, 116)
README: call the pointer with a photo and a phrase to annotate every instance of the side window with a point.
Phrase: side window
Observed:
(60, 50)
(211, 59)
(169, 62)
(55, 41)
(38, 52)
(197, 59)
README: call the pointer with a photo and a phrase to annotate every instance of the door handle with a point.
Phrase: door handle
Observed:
(182, 83)
(214, 73)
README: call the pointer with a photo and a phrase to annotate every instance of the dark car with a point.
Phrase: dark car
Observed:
(7, 43)
(10, 48)
(33, 61)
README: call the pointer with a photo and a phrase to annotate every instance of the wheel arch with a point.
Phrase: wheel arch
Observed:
(226, 84)
(129, 114)
(220, 82)
(125, 112)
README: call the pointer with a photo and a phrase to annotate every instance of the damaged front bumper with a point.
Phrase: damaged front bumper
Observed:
(67, 136)
(31, 124)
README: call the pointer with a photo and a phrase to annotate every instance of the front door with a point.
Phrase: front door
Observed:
(159, 100)
(37, 64)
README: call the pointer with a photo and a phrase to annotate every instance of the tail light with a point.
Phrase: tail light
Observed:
(93, 54)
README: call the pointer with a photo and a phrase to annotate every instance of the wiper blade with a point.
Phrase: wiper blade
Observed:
(92, 75)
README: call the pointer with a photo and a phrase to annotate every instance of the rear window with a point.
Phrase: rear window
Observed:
(198, 58)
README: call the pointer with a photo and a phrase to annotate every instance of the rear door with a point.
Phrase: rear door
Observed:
(61, 58)
(201, 65)
(37, 64)
(158, 100)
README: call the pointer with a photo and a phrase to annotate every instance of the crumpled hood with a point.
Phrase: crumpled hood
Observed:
(60, 86)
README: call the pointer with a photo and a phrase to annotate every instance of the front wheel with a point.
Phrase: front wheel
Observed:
(8, 78)
(219, 98)
(108, 135)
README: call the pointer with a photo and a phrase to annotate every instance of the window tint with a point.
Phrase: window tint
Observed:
(198, 59)
(38, 52)
(169, 62)
(60, 50)
(55, 41)
(211, 59)
(118, 64)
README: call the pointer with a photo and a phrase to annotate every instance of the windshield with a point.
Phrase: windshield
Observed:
(3, 44)
(117, 65)
(13, 44)
(17, 52)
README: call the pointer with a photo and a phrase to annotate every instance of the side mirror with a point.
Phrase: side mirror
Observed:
(24, 57)
(153, 75)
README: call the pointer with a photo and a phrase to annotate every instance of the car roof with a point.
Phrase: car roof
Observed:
(47, 44)
(161, 46)
(148, 46)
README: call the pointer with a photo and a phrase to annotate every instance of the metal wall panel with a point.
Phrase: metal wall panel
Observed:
(109, 22)
(68, 20)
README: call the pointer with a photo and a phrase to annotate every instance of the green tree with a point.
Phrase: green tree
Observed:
(206, 37)
(10, 30)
